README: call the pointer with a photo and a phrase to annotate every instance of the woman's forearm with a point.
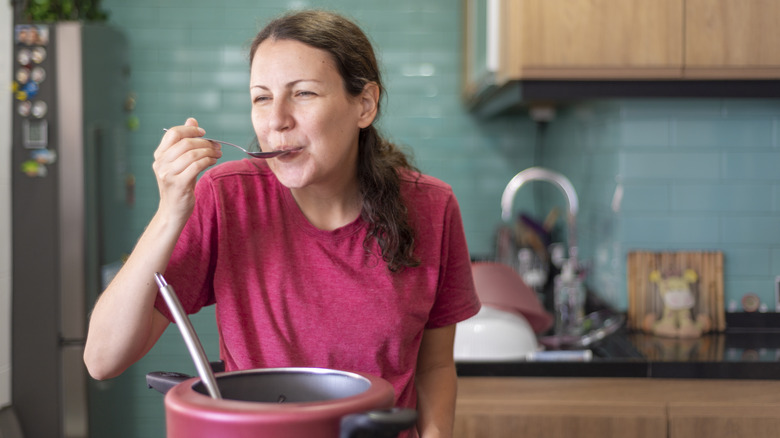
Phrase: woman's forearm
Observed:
(436, 392)
(124, 324)
(436, 381)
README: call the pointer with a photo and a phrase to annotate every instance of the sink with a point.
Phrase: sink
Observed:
(494, 335)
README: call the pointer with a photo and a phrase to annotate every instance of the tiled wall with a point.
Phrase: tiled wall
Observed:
(694, 175)
(189, 59)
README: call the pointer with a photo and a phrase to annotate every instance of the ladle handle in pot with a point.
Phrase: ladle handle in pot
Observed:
(190, 338)
(377, 424)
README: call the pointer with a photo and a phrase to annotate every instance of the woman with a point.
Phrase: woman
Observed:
(338, 254)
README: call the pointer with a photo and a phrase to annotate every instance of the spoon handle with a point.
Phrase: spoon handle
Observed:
(190, 337)
(261, 154)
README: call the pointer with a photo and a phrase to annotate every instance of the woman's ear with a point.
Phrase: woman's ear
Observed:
(369, 104)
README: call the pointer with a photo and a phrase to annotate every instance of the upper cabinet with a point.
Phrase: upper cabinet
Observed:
(598, 39)
(620, 42)
(732, 39)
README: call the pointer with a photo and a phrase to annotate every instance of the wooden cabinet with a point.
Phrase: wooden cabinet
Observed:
(716, 419)
(513, 40)
(726, 39)
(597, 39)
(500, 407)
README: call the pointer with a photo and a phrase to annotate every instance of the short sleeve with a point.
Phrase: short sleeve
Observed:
(456, 297)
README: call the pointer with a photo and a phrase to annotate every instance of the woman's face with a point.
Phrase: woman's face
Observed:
(299, 103)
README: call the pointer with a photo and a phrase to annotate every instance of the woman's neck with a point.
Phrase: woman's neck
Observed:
(329, 209)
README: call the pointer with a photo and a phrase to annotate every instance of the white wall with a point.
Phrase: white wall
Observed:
(6, 24)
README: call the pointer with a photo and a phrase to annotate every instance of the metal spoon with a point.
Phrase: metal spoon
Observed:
(270, 154)
(190, 338)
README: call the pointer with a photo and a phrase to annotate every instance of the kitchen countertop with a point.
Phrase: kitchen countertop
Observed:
(748, 349)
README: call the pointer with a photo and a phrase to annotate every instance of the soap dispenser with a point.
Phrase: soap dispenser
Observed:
(569, 299)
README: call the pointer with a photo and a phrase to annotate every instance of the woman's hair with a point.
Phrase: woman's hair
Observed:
(379, 161)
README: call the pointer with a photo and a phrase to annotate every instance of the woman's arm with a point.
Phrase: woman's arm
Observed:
(436, 382)
(124, 324)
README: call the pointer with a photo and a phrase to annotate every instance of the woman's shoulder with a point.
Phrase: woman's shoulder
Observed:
(416, 181)
(420, 189)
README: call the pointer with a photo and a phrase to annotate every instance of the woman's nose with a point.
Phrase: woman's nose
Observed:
(281, 118)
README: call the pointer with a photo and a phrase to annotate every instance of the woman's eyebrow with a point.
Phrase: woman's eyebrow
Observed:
(287, 85)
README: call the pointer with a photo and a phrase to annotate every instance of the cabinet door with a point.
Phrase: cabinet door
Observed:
(723, 420)
(598, 39)
(727, 38)
(557, 408)
(559, 419)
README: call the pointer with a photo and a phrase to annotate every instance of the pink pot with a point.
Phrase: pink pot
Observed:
(283, 403)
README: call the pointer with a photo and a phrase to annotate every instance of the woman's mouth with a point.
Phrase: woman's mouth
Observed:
(291, 150)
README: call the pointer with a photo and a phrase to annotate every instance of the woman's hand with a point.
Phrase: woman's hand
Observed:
(181, 156)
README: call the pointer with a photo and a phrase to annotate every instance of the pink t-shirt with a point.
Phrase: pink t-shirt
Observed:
(289, 294)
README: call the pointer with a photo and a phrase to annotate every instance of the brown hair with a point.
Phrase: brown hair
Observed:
(379, 161)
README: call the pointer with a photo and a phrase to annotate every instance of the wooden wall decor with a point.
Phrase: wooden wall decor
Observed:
(665, 286)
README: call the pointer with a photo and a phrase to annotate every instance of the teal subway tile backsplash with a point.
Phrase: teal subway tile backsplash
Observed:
(753, 133)
(671, 166)
(756, 165)
(749, 229)
(647, 198)
(774, 264)
(719, 197)
(748, 261)
(752, 108)
(655, 228)
(672, 109)
(647, 134)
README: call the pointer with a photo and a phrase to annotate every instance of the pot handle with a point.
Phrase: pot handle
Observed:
(163, 381)
(386, 423)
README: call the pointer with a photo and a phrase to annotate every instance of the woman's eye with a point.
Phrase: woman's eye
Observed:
(304, 93)
(258, 99)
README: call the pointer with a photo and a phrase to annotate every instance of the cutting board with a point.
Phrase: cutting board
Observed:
(643, 295)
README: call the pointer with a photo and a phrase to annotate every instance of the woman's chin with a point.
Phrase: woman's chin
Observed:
(288, 178)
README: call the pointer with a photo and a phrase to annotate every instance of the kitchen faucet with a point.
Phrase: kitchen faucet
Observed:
(558, 180)
(568, 294)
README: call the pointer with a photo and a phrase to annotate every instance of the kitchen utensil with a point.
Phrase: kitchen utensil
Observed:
(499, 286)
(282, 403)
(270, 154)
(277, 402)
(190, 338)
(596, 326)
(494, 335)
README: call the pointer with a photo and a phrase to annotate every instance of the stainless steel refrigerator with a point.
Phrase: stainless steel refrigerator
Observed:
(72, 193)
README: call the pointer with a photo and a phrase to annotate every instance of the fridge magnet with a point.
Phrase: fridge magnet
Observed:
(676, 294)
(44, 156)
(34, 169)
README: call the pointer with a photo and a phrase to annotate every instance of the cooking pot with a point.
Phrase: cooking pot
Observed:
(281, 403)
